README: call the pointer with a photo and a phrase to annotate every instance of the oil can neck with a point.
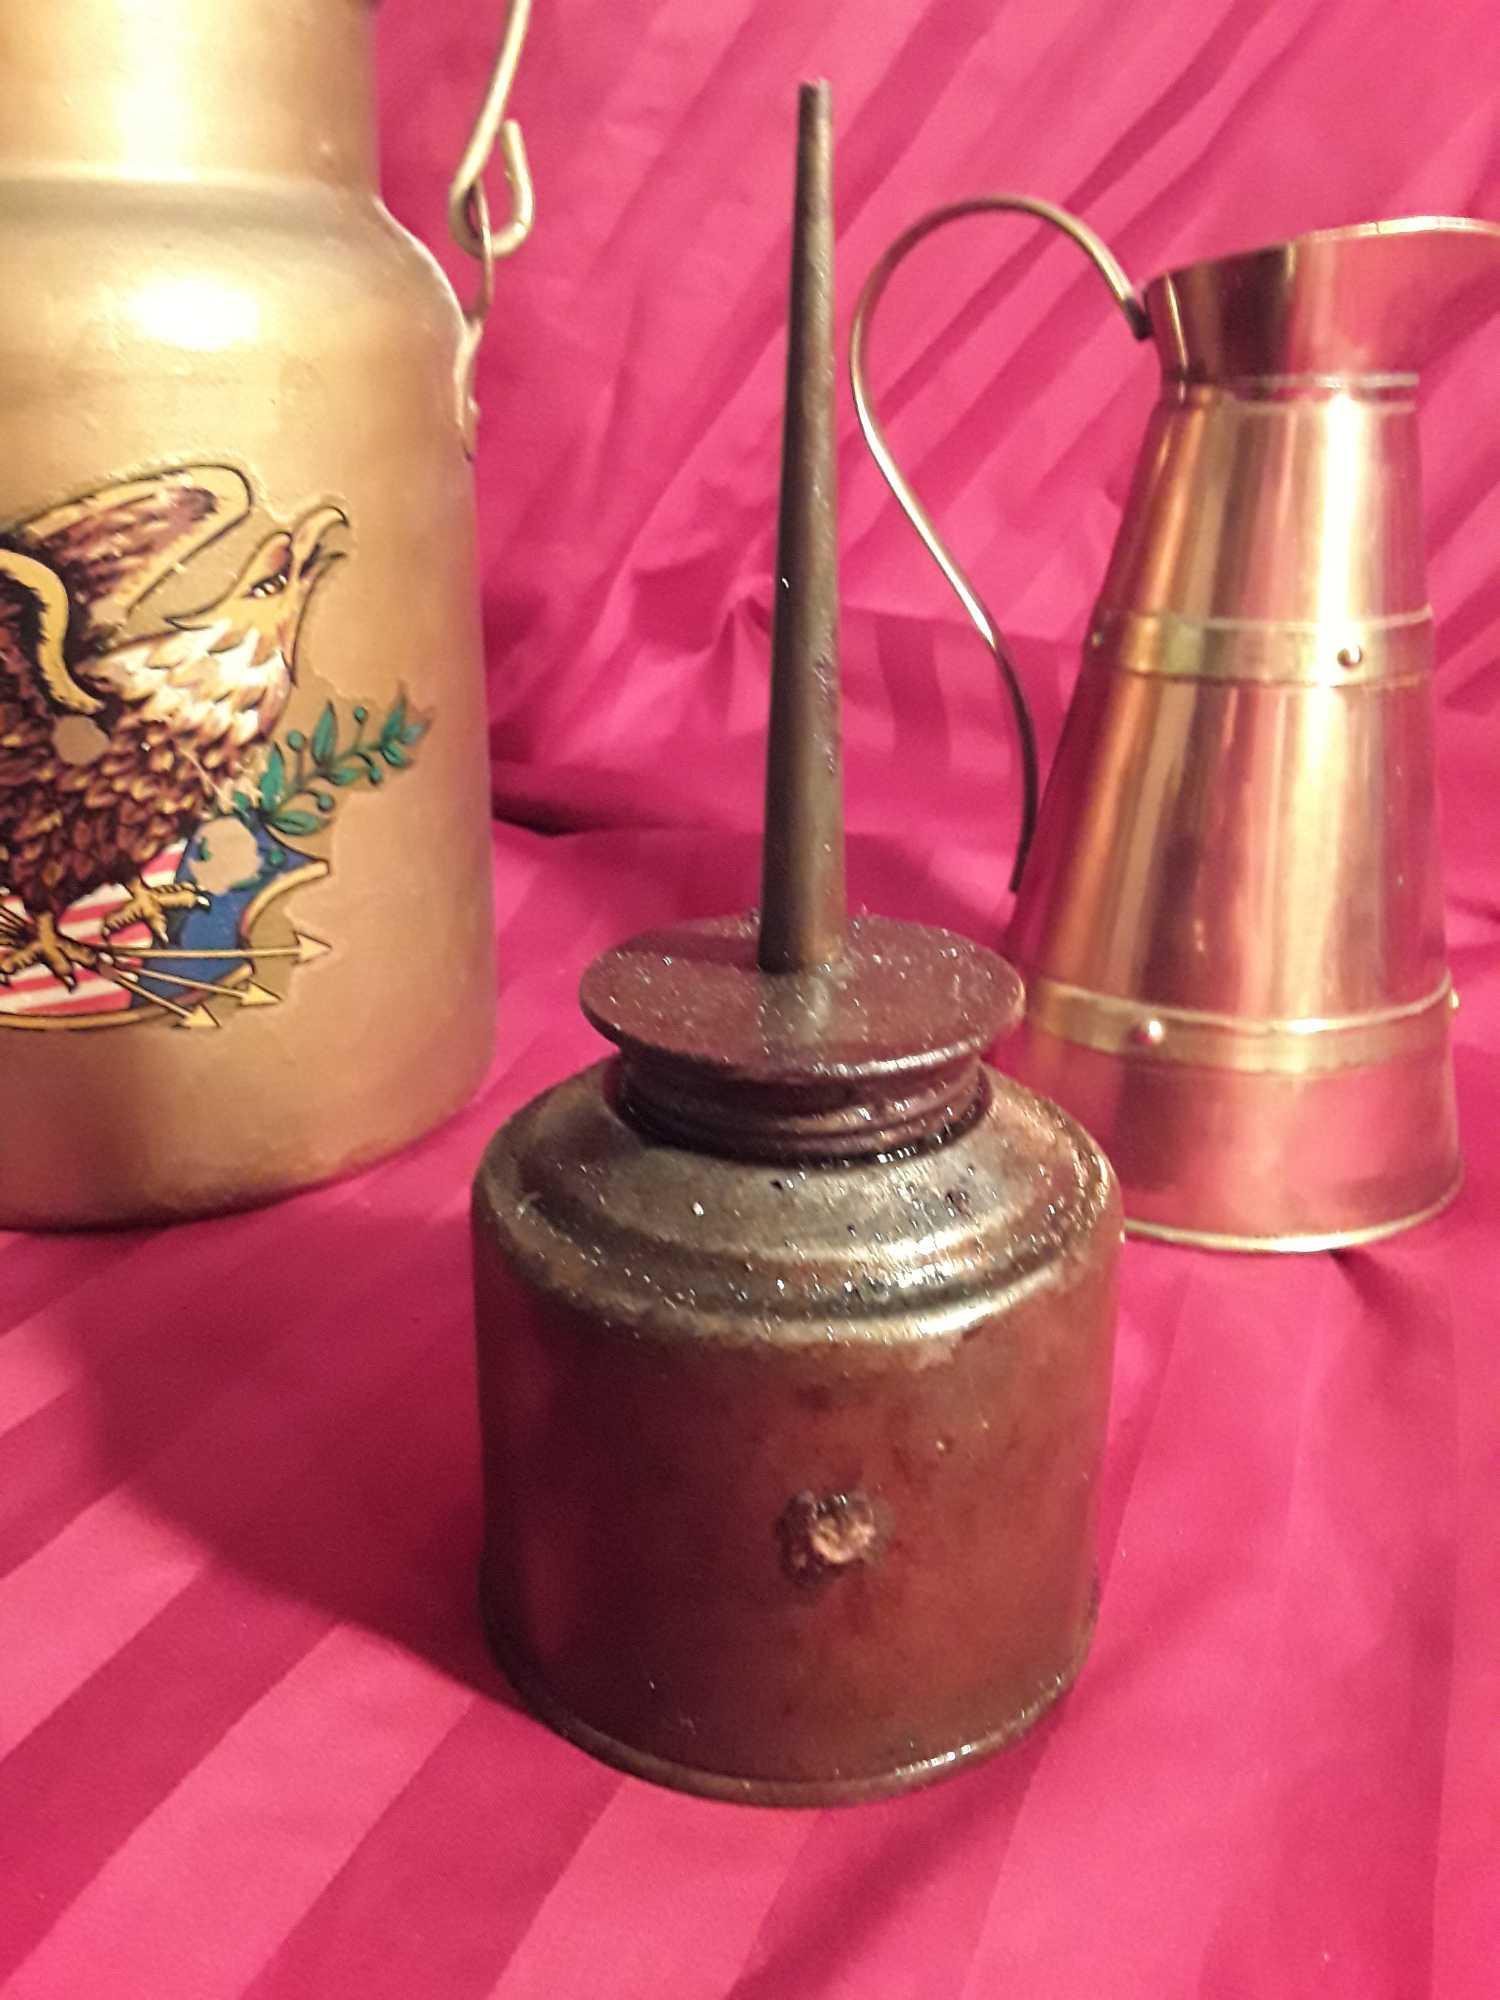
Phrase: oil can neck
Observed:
(183, 90)
(803, 1121)
(876, 1054)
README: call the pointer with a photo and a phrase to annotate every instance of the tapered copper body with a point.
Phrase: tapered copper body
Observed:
(1230, 920)
(795, 1320)
(245, 940)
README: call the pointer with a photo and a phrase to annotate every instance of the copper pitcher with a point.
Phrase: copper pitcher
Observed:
(245, 936)
(1230, 918)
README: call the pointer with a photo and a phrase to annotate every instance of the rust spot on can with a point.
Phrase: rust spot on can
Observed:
(821, 1534)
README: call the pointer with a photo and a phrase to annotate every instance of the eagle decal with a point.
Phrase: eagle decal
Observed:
(150, 813)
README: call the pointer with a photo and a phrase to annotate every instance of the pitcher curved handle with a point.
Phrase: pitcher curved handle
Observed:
(1129, 302)
(469, 209)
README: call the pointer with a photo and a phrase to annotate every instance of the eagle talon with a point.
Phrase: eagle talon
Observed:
(148, 906)
(63, 956)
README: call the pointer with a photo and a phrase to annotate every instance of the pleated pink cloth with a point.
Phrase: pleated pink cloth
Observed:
(250, 1743)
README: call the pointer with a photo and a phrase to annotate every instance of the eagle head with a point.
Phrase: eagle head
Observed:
(271, 594)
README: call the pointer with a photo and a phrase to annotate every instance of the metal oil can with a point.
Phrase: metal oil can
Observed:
(794, 1318)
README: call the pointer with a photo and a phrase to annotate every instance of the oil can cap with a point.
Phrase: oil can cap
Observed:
(874, 1053)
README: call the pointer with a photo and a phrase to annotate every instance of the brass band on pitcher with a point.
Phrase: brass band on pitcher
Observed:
(1132, 1027)
(1391, 651)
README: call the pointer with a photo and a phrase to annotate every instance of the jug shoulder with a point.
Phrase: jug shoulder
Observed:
(97, 264)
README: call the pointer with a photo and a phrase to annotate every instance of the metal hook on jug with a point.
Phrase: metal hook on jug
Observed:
(1124, 295)
(469, 210)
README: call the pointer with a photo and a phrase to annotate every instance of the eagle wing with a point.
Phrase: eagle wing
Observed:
(36, 683)
(112, 548)
(67, 576)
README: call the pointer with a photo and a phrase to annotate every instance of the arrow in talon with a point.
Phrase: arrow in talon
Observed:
(248, 996)
(305, 949)
(190, 1017)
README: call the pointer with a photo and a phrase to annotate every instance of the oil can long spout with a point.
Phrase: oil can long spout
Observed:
(803, 919)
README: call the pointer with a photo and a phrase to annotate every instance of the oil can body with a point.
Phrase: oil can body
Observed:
(791, 1472)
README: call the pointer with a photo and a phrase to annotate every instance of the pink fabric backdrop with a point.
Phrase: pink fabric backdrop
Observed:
(249, 1739)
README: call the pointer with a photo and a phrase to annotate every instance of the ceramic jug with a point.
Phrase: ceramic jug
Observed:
(245, 935)
(1230, 918)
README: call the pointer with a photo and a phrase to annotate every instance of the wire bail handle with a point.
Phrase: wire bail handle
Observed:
(469, 209)
(1129, 302)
